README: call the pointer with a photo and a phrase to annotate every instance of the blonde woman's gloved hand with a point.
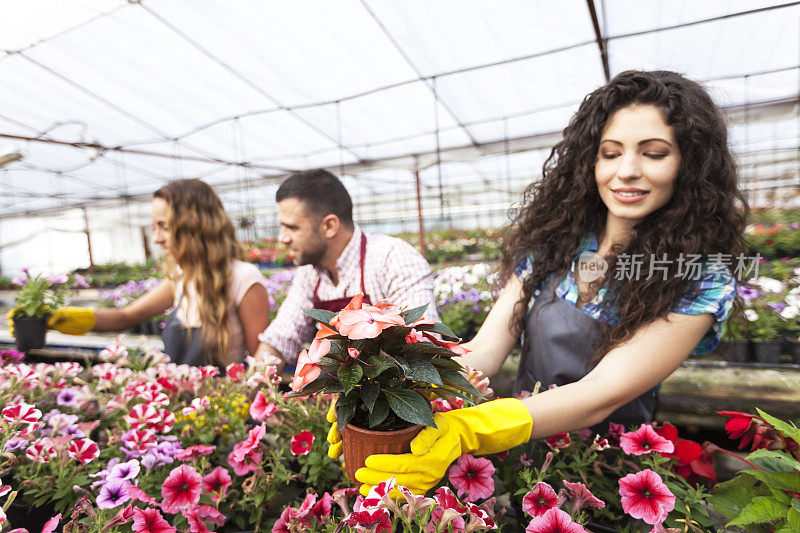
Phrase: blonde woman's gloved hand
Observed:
(334, 436)
(10, 317)
(72, 320)
(491, 427)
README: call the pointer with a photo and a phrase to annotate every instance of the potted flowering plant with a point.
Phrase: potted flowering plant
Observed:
(384, 363)
(36, 298)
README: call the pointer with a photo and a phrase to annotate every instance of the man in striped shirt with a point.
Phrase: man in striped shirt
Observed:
(336, 261)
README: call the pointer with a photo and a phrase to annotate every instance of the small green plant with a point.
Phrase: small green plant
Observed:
(39, 296)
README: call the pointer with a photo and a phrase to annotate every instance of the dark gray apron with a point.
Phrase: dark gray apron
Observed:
(184, 345)
(558, 343)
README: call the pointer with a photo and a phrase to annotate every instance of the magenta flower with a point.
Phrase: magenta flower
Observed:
(539, 500)
(22, 413)
(217, 482)
(554, 521)
(113, 494)
(261, 408)
(302, 442)
(61, 278)
(644, 440)
(235, 371)
(193, 452)
(181, 489)
(581, 497)
(150, 521)
(561, 440)
(322, 509)
(473, 476)
(644, 495)
(377, 520)
(52, 524)
(242, 449)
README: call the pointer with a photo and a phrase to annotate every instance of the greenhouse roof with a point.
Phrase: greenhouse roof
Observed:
(109, 99)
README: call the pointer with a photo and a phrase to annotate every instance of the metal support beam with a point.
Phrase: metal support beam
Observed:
(602, 42)
(419, 214)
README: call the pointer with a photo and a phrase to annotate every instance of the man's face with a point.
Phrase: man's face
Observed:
(300, 232)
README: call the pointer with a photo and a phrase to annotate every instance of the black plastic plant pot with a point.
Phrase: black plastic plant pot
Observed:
(793, 348)
(737, 351)
(768, 351)
(30, 333)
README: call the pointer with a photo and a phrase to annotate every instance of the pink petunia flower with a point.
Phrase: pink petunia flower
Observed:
(199, 515)
(581, 497)
(539, 500)
(52, 524)
(217, 482)
(644, 440)
(83, 450)
(322, 509)
(40, 451)
(473, 476)
(235, 371)
(377, 520)
(478, 519)
(137, 494)
(561, 440)
(261, 408)
(644, 495)
(250, 443)
(416, 504)
(193, 452)
(21, 413)
(554, 521)
(150, 521)
(142, 415)
(181, 489)
(302, 442)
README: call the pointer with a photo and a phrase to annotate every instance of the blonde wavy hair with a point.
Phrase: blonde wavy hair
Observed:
(202, 243)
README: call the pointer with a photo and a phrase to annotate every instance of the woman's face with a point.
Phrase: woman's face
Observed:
(637, 163)
(159, 209)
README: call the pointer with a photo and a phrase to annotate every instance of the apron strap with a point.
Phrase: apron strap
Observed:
(363, 253)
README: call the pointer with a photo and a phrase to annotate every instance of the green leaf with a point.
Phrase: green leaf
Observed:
(320, 315)
(444, 331)
(421, 370)
(369, 393)
(446, 362)
(761, 510)
(426, 349)
(403, 363)
(375, 365)
(322, 382)
(457, 380)
(350, 376)
(379, 413)
(787, 429)
(774, 461)
(730, 497)
(410, 406)
(412, 315)
(345, 410)
(777, 480)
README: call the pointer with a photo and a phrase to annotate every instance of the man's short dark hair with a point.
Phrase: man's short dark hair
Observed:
(321, 191)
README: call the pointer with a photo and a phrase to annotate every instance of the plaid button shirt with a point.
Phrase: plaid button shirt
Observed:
(715, 292)
(393, 270)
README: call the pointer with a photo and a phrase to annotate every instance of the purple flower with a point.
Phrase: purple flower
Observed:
(113, 494)
(748, 293)
(61, 278)
(103, 474)
(19, 280)
(124, 471)
(66, 398)
(80, 281)
(777, 306)
(15, 444)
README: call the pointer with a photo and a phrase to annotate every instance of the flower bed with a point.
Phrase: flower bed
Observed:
(139, 443)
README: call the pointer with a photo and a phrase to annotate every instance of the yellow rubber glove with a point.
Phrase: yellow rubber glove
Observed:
(72, 320)
(10, 317)
(491, 427)
(334, 436)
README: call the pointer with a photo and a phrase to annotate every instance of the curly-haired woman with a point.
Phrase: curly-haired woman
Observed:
(220, 302)
(612, 269)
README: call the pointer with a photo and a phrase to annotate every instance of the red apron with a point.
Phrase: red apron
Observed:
(338, 304)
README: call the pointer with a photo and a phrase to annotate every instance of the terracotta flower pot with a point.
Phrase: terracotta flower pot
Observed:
(358, 444)
(30, 333)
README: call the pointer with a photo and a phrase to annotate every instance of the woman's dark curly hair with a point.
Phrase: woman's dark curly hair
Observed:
(706, 214)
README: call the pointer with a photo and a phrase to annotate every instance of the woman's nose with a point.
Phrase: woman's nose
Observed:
(629, 167)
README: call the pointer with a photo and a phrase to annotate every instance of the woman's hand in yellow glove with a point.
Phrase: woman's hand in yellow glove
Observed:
(334, 436)
(10, 317)
(72, 320)
(491, 427)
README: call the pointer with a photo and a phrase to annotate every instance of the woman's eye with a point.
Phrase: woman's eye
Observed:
(653, 155)
(609, 155)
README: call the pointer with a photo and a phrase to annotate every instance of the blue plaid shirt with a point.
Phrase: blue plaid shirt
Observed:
(716, 290)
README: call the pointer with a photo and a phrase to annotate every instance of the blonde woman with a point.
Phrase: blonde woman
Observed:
(220, 302)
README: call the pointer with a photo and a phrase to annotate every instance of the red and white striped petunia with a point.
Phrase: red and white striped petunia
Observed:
(70, 369)
(40, 451)
(157, 399)
(140, 440)
(166, 421)
(22, 413)
(83, 450)
(142, 415)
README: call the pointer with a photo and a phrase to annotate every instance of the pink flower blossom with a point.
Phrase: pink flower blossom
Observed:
(554, 521)
(306, 372)
(22, 413)
(357, 321)
(539, 500)
(193, 452)
(416, 504)
(377, 520)
(581, 497)
(322, 509)
(441, 405)
(40, 451)
(137, 494)
(142, 415)
(302, 442)
(83, 450)
(261, 408)
(473, 476)
(644, 495)
(378, 492)
(235, 371)
(644, 440)
(52, 524)
(198, 405)
(139, 440)
(197, 516)
(181, 489)
(478, 519)
(561, 440)
(217, 482)
(319, 348)
(250, 444)
(150, 521)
